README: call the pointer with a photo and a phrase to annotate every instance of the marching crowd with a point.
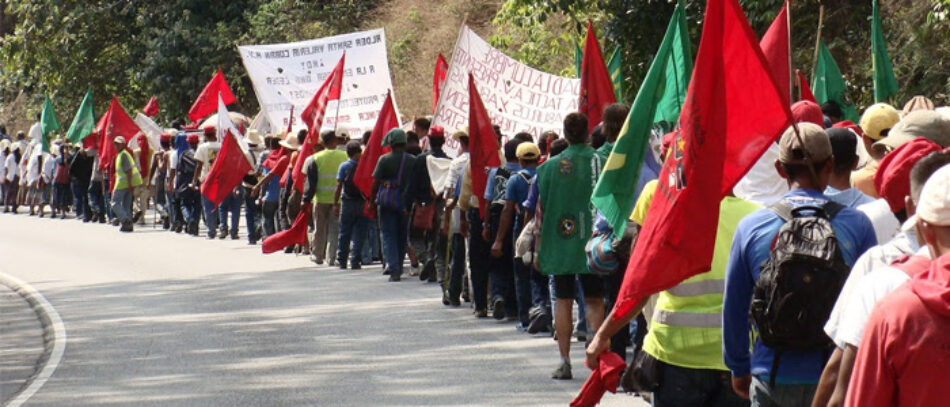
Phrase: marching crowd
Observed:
(829, 284)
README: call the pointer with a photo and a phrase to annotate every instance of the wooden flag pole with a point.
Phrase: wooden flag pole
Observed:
(791, 62)
(821, 20)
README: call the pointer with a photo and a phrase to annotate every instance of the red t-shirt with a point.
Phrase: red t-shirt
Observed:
(904, 357)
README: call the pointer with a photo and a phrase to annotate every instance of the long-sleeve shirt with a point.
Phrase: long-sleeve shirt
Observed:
(751, 246)
(310, 184)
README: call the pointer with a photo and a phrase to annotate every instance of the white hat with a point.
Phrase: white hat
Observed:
(119, 139)
(934, 206)
(254, 137)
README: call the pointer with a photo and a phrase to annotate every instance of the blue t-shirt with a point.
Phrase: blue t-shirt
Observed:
(750, 249)
(490, 186)
(345, 173)
(531, 201)
(518, 186)
(851, 197)
(272, 191)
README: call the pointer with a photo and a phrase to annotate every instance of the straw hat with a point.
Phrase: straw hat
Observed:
(290, 142)
(254, 137)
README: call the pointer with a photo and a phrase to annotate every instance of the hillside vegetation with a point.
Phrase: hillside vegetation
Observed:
(137, 48)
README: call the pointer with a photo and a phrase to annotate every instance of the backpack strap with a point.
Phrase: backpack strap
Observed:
(832, 208)
(782, 209)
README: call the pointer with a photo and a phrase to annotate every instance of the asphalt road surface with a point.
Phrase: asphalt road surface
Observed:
(158, 319)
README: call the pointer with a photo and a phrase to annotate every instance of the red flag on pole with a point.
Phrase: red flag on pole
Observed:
(232, 163)
(734, 110)
(775, 47)
(113, 124)
(597, 89)
(804, 88)
(297, 234)
(438, 78)
(313, 115)
(483, 147)
(386, 121)
(151, 108)
(207, 101)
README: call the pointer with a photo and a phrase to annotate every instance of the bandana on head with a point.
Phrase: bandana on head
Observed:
(892, 179)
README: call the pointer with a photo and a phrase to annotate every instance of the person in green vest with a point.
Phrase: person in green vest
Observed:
(127, 178)
(565, 184)
(321, 169)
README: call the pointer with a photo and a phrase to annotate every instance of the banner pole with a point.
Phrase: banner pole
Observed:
(791, 63)
(821, 20)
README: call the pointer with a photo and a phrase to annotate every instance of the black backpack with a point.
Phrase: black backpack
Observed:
(800, 282)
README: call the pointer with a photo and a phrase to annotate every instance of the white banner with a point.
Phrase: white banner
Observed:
(290, 74)
(518, 98)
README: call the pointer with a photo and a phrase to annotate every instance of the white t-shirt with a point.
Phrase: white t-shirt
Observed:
(880, 256)
(3, 166)
(36, 132)
(885, 223)
(11, 167)
(762, 184)
(868, 292)
(206, 154)
(456, 169)
(49, 167)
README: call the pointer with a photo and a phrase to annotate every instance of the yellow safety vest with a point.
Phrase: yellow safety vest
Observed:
(686, 328)
(328, 163)
(121, 181)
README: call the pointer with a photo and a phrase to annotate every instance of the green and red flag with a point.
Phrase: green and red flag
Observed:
(48, 122)
(734, 111)
(657, 106)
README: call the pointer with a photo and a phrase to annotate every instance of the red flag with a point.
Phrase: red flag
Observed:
(297, 234)
(483, 147)
(207, 101)
(734, 110)
(386, 121)
(804, 88)
(775, 47)
(229, 167)
(438, 78)
(313, 114)
(151, 108)
(597, 90)
(113, 124)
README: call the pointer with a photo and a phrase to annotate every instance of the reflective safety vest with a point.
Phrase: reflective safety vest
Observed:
(686, 328)
(328, 164)
(121, 180)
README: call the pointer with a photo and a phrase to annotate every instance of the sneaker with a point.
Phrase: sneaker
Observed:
(445, 299)
(354, 266)
(480, 313)
(498, 309)
(138, 216)
(316, 260)
(394, 278)
(563, 372)
(580, 335)
(234, 236)
(539, 323)
(342, 265)
(427, 270)
(415, 270)
(126, 226)
(222, 234)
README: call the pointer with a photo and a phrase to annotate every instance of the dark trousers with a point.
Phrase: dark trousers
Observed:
(684, 387)
(394, 228)
(251, 213)
(479, 260)
(352, 226)
(501, 270)
(457, 273)
(81, 198)
(96, 203)
(271, 223)
(231, 209)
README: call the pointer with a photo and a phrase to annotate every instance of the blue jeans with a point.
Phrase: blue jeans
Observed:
(231, 205)
(352, 227)
(392, 224)
(684, 387)
(250, 215)
(500, 270)
(95, 197)
(122, 204)
(210, 214)
(271, 218)
(81, 199)
(523, 290)
(763, 395)
(371, 237)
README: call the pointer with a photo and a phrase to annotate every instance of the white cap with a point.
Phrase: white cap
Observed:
(934, 206)
(119, 139)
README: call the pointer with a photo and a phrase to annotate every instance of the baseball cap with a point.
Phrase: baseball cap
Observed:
(892, 179)
(528, 151)
(878, 118)
(119, 139)
(813, 145)
(934, 205)
(806, 111)
(437, 131)
(919, 123)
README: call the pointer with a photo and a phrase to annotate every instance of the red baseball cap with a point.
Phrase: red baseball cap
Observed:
(892, 179)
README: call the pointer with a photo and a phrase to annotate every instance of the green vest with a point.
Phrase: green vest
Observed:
(686, 329)
(565, 183)
(121, 181)
(328, 163)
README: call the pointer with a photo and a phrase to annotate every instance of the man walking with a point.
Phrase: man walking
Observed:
(127, 178)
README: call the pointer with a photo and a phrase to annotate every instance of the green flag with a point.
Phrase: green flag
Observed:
(578, 58)
(885, 84)
(614, 65)
(48, 122)
(84, 122)
(657, 104)
(829, 83)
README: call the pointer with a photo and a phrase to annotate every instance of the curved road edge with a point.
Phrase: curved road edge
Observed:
(54, 338)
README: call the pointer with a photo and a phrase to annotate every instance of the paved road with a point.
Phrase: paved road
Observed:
(21, 342)
(158, 319)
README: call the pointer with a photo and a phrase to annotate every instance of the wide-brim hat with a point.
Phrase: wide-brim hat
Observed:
(254, 137)
(290, 142)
